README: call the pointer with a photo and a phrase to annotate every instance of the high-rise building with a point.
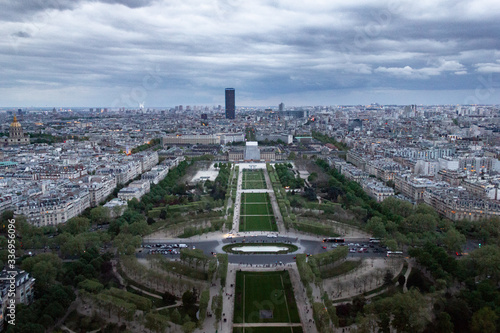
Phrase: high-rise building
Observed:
(282, 106)
(230, 103)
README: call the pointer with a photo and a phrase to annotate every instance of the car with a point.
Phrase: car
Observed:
(350, 244)
(324, 247)
(194, 247)
(459, 254)
(294, 257)
(272, 236)
(352, 250)
(334, 246)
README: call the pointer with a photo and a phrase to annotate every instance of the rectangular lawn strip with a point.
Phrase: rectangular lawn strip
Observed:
(254, 185)
(254, 197)
(253, 175)
(264, 291)
(256, 209)
(263, 329)
(258, 223)
(253, 180)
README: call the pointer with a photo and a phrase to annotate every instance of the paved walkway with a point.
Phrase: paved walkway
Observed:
(303, 304)
(268, 325)
(228, 294)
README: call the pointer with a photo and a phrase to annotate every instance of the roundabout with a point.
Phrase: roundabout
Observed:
(259, 248)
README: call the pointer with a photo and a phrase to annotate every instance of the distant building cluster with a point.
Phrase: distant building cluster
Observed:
(445, 156)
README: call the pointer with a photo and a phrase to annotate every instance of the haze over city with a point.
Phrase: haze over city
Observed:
(163, 53)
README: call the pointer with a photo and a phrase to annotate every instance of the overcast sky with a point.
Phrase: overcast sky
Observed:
(315, 52)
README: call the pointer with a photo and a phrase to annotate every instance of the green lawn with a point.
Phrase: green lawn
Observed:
(272, 291)
(254, 185)
(253, 179)
(259, 204)
(256, 209)
(258, 223)
(254, 197)
(253, 174)
(295, 329)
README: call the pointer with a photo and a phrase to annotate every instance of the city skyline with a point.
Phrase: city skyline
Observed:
(127, 53)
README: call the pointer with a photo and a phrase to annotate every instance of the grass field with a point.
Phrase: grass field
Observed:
(258, 223)
(271, 291)
(253, 179)
(254, 197)
(256, 213)
(295, 329)
(256, 209)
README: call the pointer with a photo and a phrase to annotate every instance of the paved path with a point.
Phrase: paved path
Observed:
(146, 292)
(303, 304)
(228, 301)
(268, 325)
(178, 303)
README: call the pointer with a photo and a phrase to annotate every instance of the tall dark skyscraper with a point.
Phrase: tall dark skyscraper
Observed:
(230, 104)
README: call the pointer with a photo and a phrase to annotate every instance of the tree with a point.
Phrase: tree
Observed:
(76, 225)
(484, 321)
(443, 323)
(100, 215)
(126, 243)
(310, 194)
(401, 280)
(188, 327)
(454, 240)
(156, 322)
(44, 268)
(487, 260)
(392, 244)
(376, 226)
(312, 177)
(176, 316)
(189, 298)
(410, 312)
(388, 277)
(139, 228)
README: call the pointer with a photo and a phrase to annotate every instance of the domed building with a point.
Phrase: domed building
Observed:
(16, 135)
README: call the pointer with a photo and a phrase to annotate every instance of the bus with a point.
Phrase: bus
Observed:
(374, 240)
(394, 253)
(333, 240)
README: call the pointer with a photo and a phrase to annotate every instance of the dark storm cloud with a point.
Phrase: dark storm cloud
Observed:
(267, 49)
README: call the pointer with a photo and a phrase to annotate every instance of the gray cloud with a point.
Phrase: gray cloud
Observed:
(266, 49)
